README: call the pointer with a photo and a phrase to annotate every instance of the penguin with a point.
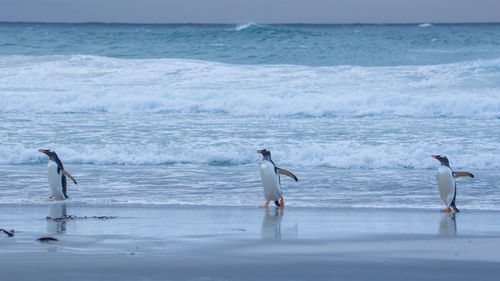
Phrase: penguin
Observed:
(56, 176)
(447, 185)
(270, 177)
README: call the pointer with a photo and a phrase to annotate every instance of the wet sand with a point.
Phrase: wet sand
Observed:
(218, 243)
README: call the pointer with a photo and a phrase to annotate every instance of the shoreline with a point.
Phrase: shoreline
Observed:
(219, 223)
(147, 205)
(244, 243)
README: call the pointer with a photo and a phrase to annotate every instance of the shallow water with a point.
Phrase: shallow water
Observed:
(239, 185)
(160, 229)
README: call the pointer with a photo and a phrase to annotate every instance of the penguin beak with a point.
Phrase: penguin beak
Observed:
(43, 151)
(260, 151)
(435, 157)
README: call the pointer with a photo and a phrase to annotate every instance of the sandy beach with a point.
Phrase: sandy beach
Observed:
(219, 243)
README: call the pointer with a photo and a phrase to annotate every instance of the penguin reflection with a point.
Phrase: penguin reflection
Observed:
(56, 211)
(448, 225)
(271, 224)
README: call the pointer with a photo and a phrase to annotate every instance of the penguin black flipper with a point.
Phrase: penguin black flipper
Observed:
(64, 183)
(60, 168)
(286, 173)
(462, 174)
(453, 202)
(69, 176)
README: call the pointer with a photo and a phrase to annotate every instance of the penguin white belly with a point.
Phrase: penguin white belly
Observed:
(55, 181)
(270, 181)
(446, 184)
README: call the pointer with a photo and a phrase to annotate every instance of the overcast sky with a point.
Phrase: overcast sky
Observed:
(243, 11)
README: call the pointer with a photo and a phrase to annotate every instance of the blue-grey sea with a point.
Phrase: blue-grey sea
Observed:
(174, 114)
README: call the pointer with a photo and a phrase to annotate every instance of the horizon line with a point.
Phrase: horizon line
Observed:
(250, 22)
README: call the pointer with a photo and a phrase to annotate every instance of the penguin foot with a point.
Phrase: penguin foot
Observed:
(282, 203)
(265, 205)
(50, 197)
(446, 210)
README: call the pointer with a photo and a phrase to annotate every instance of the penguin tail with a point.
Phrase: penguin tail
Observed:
(277, 203)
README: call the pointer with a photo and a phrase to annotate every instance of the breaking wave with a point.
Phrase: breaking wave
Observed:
(85, 83)
(343, 155)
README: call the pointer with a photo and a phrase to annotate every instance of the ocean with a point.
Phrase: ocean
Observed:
(174, 114)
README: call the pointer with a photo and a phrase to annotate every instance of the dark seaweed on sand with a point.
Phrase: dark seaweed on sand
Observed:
(46, 239)
(71, 217)
(9, 233)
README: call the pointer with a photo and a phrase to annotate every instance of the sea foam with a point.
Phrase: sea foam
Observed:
(343, 155)
(84, 83)
(246, 25)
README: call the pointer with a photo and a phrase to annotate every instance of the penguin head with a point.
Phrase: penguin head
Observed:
(52, 154)
(265, 153)
(443, 159)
